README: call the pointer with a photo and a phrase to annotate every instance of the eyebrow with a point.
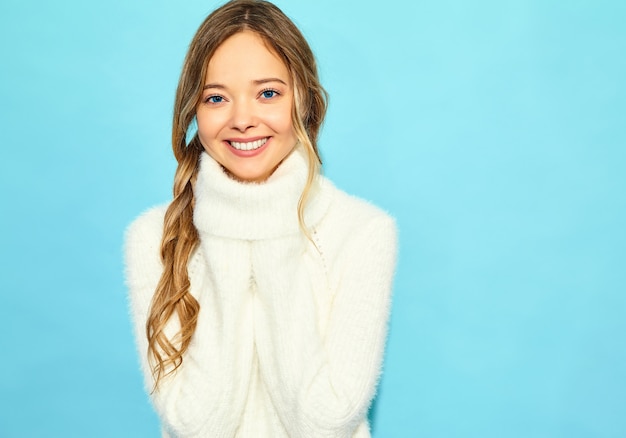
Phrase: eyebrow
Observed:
(256, 82)
(265, 81)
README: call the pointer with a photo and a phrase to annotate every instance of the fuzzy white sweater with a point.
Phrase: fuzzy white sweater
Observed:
(290, 335)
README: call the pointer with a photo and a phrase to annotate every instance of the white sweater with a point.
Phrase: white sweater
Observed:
(290, 337)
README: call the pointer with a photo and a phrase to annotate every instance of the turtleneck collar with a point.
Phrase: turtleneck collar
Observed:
(251, 211)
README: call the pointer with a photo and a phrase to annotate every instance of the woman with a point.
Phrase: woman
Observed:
(260, 294)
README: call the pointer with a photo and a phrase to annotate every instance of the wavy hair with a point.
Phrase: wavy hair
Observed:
(180, 237)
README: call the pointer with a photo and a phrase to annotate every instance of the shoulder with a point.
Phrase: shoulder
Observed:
(351, 221)
(142, 247)
(147, 225)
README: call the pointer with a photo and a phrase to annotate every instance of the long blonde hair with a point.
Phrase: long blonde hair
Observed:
(180, 236)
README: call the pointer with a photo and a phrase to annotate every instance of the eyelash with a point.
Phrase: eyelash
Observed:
(276, 93)
(214, 96)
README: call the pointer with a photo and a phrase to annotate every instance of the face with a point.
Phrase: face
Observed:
(244, 116)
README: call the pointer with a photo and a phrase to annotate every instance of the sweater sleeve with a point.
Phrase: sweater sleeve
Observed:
(205, 396)
(323, 385)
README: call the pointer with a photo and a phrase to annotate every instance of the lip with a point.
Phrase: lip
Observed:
(247, 154)
(247, 140)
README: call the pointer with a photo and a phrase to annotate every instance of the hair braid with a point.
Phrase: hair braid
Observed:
(172, 295)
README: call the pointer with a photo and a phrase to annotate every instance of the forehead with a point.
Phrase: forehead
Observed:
(245, 56)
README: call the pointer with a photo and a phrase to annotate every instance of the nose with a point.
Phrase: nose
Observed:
(243, 116)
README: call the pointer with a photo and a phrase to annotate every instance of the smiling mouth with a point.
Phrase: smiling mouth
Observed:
(249, 146)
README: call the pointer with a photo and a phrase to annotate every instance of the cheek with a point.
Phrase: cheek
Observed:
(208, 128)
(280, 121)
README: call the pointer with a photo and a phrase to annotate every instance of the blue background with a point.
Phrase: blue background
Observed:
(494, 131)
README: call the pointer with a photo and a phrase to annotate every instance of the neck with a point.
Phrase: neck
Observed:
(246, 210)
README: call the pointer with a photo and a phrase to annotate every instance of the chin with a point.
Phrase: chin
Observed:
(250, 177)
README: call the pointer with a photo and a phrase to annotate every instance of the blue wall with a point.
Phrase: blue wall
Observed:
(494, 131)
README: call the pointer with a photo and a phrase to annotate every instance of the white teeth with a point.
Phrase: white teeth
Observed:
(249, 146)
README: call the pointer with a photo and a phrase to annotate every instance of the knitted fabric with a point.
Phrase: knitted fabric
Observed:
(290, 336)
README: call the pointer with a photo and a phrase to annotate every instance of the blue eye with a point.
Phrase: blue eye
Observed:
(268, 94)
(215, 99)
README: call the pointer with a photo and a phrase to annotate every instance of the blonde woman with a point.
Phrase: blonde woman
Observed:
(261, 294)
